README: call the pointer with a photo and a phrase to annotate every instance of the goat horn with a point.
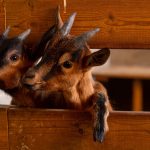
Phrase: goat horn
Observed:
(5, 33)
(24, 35)
(87, 35)
(59, 21)
(68, 25)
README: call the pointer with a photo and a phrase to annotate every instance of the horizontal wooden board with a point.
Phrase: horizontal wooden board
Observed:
(127, 72)
(3, 129)
(58, 129)
(124, 24)
(37, 15)
(2, 16)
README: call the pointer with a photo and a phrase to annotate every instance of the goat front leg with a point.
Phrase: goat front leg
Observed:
(100, 113)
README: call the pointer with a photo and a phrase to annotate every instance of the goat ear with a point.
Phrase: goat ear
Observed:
(24, 35)
(98, 58)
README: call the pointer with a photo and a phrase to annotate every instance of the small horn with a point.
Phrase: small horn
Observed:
(59, 21)
(81, 39)
(87, 35)
(5, 33)
(24, 35)
(68, 25)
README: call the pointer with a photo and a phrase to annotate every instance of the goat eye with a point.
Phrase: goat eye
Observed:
(67, 64)
(14, 57)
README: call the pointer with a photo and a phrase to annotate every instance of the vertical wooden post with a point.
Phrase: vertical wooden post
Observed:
(137, 99)
(3, 129)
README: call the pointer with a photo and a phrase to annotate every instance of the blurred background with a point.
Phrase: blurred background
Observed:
(126, 75)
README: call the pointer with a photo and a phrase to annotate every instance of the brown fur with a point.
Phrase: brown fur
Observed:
(62, 78)
(71, 87)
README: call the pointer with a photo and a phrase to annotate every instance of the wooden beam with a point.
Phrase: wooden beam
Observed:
(127, 72)
(58, 129)
(2, 16)
(4, 144)
(124, 24)
(37, 15)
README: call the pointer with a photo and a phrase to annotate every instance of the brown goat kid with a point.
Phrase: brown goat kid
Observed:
(64, 77)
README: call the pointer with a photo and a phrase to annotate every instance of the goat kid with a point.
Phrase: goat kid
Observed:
(63, 76)
(15, 59)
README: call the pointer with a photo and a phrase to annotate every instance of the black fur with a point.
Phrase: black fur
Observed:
(100, 110)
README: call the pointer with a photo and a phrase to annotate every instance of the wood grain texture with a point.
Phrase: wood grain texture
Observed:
(35, 14)
(33, 129)
(4, 144)
(2, 16)
(124, 24)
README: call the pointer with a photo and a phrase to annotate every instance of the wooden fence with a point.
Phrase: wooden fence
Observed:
(124, 24)
(39, 129)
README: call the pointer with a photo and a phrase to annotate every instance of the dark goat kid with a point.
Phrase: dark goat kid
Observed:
(4, 35)
(15, 59)
(64, 75)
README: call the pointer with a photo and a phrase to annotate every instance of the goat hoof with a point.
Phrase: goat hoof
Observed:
(98, 135)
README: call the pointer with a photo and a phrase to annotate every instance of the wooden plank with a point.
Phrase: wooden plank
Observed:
(129, 72)
(124, 24)
(57, 129)
(2, 16)
(37, 15)
(3, 129)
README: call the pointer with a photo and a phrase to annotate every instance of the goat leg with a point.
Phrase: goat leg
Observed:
(100, 117)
